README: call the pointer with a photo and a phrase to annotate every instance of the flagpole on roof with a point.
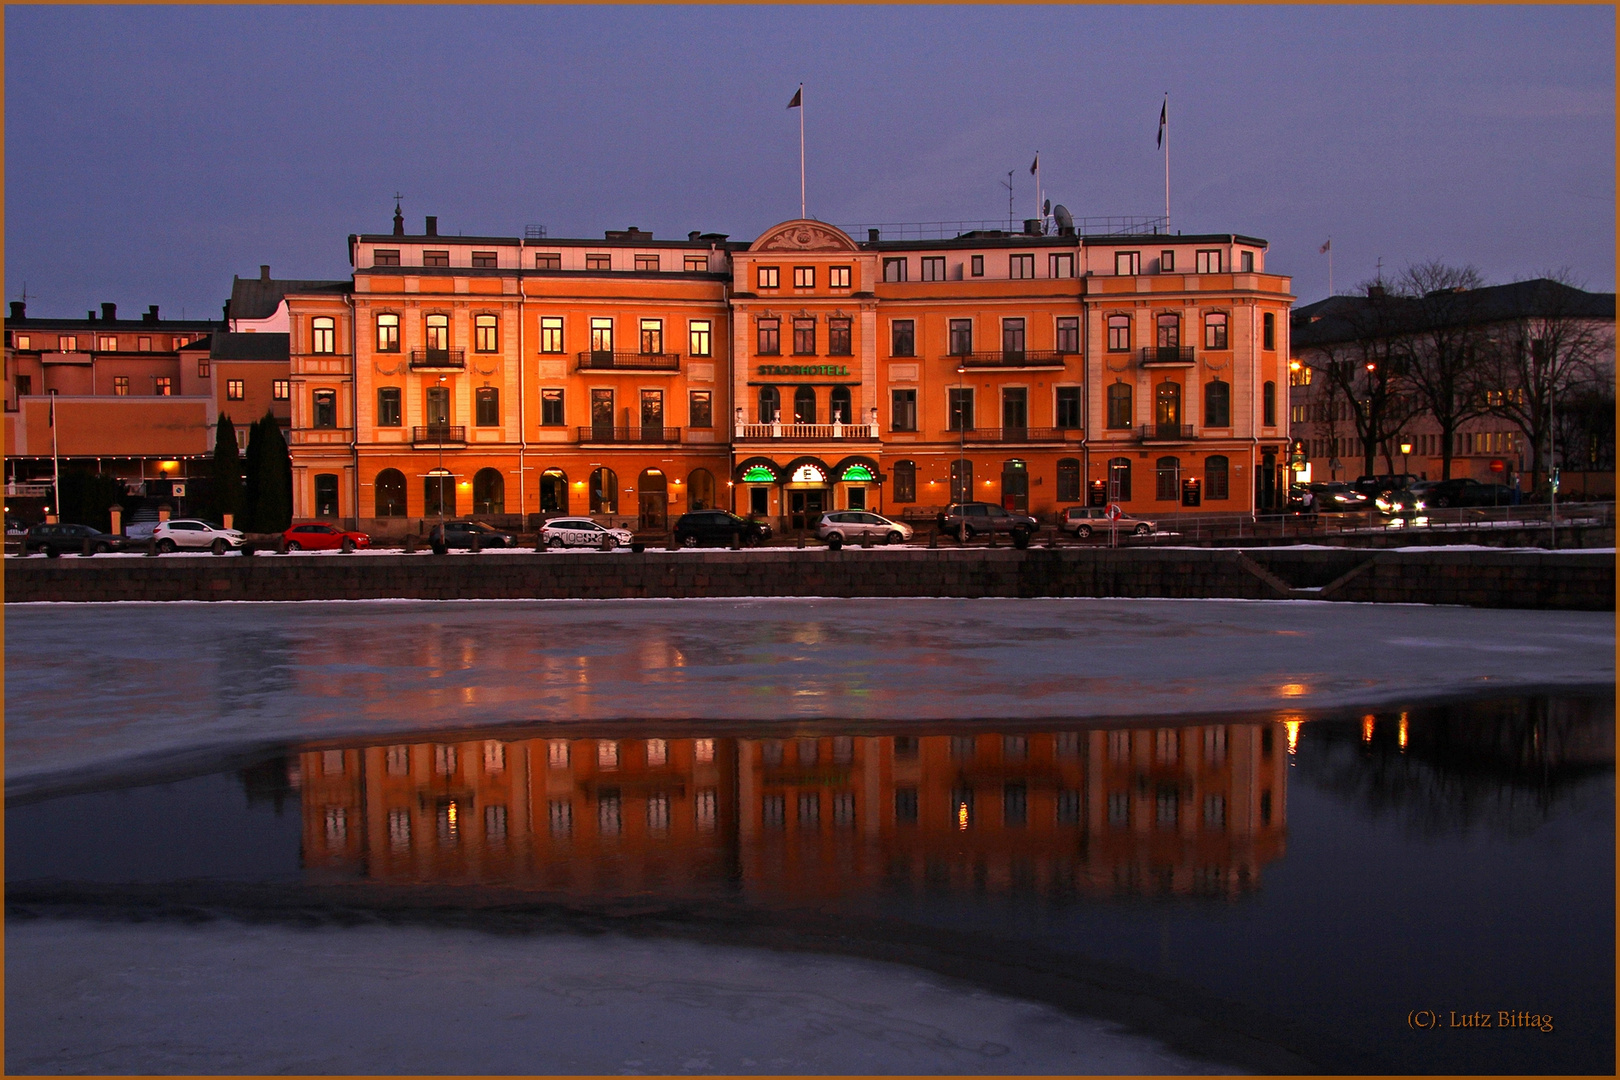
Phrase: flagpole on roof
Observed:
(1164, 134)
(798, 103)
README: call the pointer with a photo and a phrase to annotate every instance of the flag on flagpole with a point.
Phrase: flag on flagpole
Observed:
(1327, 247)
(1035, 164)
(798, 99)
(1164, 118)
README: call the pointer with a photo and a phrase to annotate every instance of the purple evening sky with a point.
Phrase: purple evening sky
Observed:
(153, 152)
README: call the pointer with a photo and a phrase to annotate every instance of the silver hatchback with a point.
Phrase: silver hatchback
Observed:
(861, 525)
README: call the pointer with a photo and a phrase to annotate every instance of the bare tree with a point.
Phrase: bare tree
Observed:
(1442, 347)
(1362, 368)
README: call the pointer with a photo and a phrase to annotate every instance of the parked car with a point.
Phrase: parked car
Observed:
(981, 517)
(194, 534)
(1338, 497)
(841, 525)
(1463, 491)
(459, 534)
(718, 527)
(1401, 504)
(1082, 521)
(1373, 486)
(55, 539)
(581, 532)
(323, 536)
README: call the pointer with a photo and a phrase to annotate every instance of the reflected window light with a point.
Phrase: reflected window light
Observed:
(337, 826)
(557, 753)
(607, 754)
(703, 751)
(494, 755)
(1401, 736)
(449, 821)
(658, 813)
(399, 829)
(1367, 723)
(704, 808)
(1293, 735)
(657, 751)
(608, 819)
(1292, 689)
(962, 808)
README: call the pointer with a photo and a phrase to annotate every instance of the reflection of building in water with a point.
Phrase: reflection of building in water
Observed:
(1099, 812)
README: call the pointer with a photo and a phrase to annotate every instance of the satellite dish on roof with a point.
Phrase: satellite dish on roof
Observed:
(1065, 220)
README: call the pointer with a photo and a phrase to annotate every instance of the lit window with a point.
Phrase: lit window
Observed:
(700, 337)
(22, 342)
(323, 335)
(107, 343)
(804, 277)
(437, 333)
(120, 385)
(551, 334)
(235, 390)
(769, 277)
(165, 386)
(486, 334)
(67, 343)
(203, 369)
(281, 390)
(652, 336)
(388, 333)
(838, 277)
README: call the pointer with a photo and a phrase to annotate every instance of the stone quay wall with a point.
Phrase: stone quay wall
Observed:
(1511, 579)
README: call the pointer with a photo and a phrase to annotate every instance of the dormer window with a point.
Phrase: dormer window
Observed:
(385, 257)
(548, 260)
(1127, 263)
(485, 259)
(646, 262)
(435, 258)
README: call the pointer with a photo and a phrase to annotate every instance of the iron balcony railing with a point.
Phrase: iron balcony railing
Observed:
(603, 360)
(786, 432)
(439, 435)
(1014, 434)
(602, 433)
(1009, 358)
(1167, 354)
(438, 358)
(1165, 432)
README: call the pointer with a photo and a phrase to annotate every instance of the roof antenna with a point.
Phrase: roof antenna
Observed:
(399, 218)
(1007, 183)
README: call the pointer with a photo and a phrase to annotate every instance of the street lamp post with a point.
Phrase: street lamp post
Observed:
(962, 491)
(1406, 448)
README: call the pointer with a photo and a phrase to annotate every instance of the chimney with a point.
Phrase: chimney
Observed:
(872, 235)
(151, 314)
(109, 312)
(693, 235)
(90, 315)
(19, 310)
(399, 221)
(264, 272)
(433, 226)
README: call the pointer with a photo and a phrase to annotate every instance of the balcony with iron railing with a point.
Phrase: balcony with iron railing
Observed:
(784, 432)
(1167, 355)
(1149, 433)
(604, 360)
(603, 433)
(1013, 435)
(439, 435)
(1012, 358)
(438, 358)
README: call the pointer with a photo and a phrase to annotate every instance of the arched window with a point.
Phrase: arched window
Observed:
(390, 489)
(652, 482)
(804, 405)
(326, 495)
(1215, 477)
(1119, 333)
(1268, 404)
(489, 492)
(770, 404)
(486, 334)
(1119, 405)
(1215, 330)
(1068, 480)
(388, 333)
(1167, 409)
(323, 334)
(700, 490)
(1119, 479)
(905, 482)
(1169, 331)
(439, 493)
(839, 409)
(553, 492)
(604, 491)
(438, 333)
(1217, 404)
(1167, 479)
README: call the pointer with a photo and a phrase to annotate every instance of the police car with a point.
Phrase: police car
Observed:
(581, 532)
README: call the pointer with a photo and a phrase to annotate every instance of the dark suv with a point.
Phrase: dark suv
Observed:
(718, 527)
(981, 517)
(459, 534)
(55, 539)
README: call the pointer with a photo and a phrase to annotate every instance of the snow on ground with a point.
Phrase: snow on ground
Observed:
(226, 998)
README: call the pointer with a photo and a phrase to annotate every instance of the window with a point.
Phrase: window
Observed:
(142, 344)
(1207, 262)
(604, 491)
(1068, 335)
(485, 259)
(489, 492)
(700, 496)
(894, 269)
(804, 405)
(1169, 331)
(598, 260)
(769, 277)
(385, 257)
(203, 369)
(325, 409)
(1167, 479)
(486, 334)
(388, 406)
(652, 337)
(770, 337)
(435, 258)
(770, 404)
(959, 410)
(165, 386)
(1068, 480)
(838, 337)
(235, 390)
(322, 334)
(700, 337)
(548, 260)
(903, 338)
(1268, 404)
(326, 495)
(551, 334)
(1215, 330)
(551, 408)
(1021, 266)
(1217, 404)
(1119, 406)
(903, 415)
(647, 262)
(700, 409)
(281, 390)
(1167, 262)
(107, 343)
(961, 336)
(388, 333)
(120, 385)
(1119, 481)
(487, 406)
(1061, 266)
(1119, 333)
(1127, 263)
(1068, 407)
(840, 407)
(804, 277)
(976, 266)
(905, 481)
(438, 333)
(804, 337)
(933, 268)
(838, 277)
(1215, 477)
(390, 488)
(1012, 337)
(69, 343)
(602, 337)
(1268, 331)
(1246, 261)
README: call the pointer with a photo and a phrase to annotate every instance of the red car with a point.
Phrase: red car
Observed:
(320, 536)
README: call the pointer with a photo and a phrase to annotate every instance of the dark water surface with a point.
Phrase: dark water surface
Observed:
(1335, 879)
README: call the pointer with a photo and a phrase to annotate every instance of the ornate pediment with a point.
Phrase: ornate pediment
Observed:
(804, 236)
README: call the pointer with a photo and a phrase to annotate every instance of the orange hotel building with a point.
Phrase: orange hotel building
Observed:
(633, 379)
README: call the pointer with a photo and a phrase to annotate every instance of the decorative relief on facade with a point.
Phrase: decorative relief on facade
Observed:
(396, 369)
(804, 237)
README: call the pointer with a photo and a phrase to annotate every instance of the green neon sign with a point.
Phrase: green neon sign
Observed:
(857, 472)
(758, 474)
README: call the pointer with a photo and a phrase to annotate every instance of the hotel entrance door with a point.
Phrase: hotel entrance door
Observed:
(806, 507)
